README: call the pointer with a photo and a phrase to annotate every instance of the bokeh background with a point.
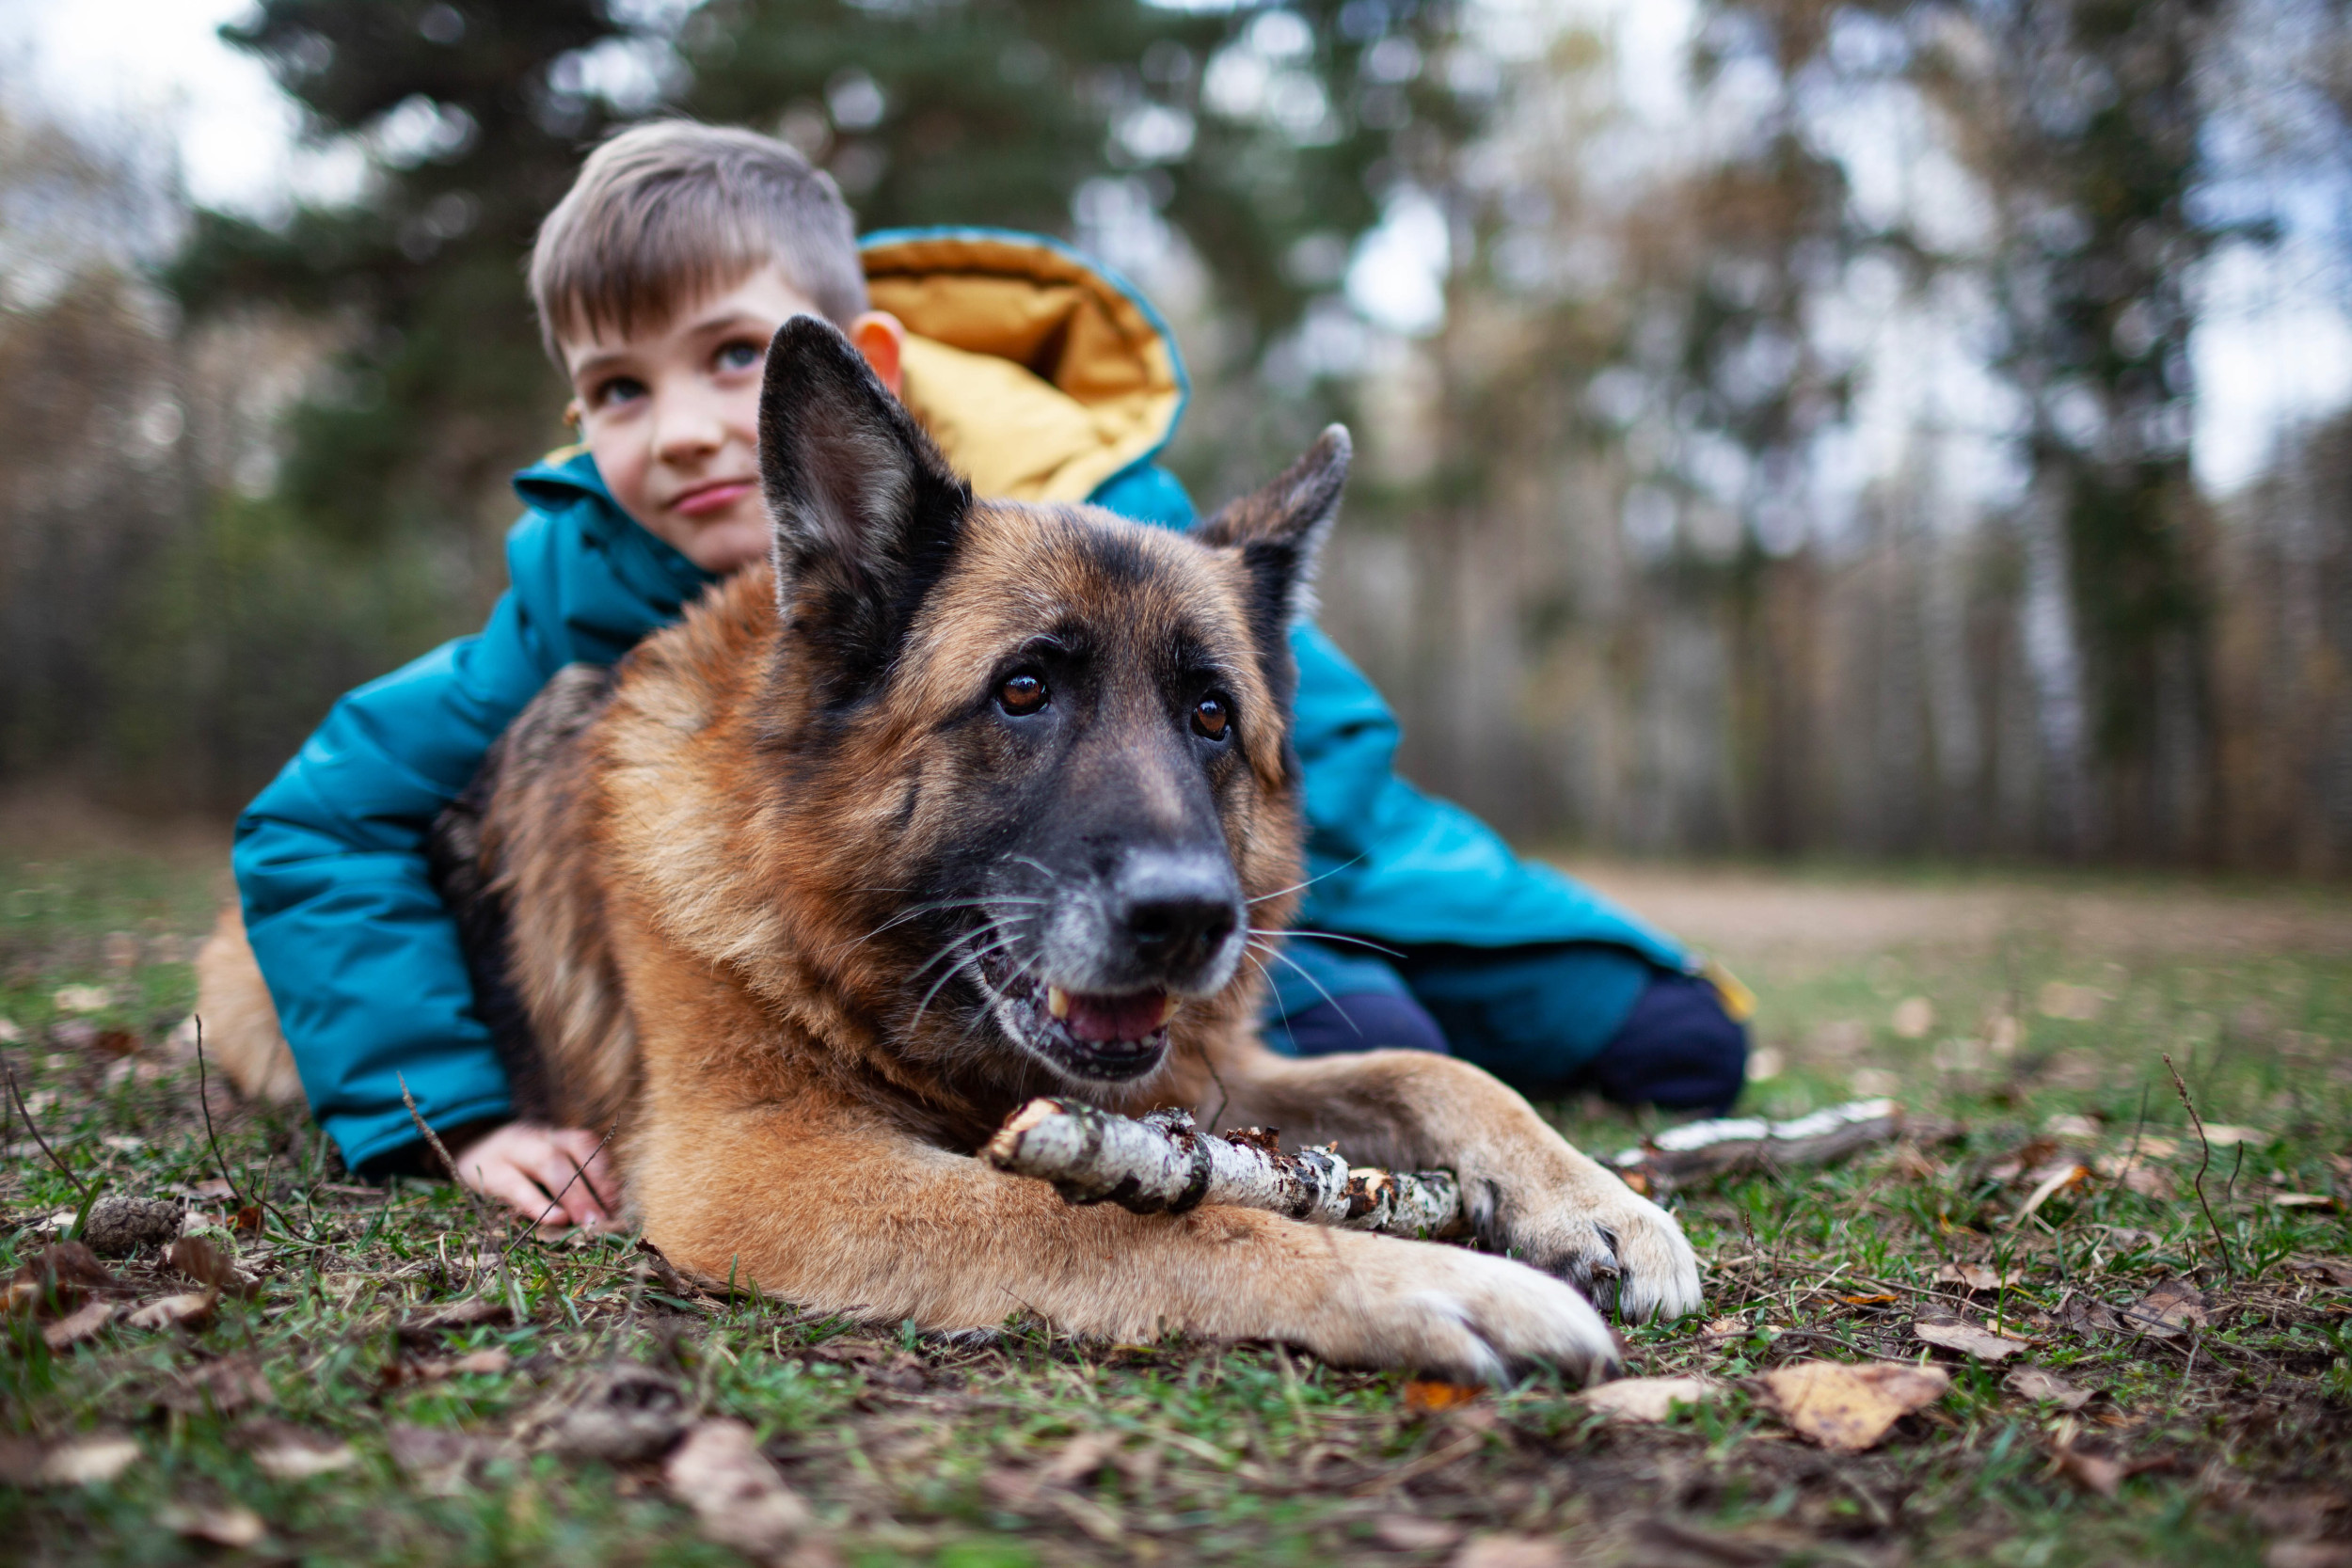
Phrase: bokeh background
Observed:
(1787, 427)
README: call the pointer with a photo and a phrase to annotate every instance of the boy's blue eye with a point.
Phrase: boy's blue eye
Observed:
(616, 390)
(742, 354)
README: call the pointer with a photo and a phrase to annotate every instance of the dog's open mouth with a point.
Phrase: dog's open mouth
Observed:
(1114, 1038)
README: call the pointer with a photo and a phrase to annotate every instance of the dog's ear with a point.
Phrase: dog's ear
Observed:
(1279, 532)
(865, 510)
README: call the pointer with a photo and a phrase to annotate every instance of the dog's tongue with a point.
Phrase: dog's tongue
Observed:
(1106, 1019)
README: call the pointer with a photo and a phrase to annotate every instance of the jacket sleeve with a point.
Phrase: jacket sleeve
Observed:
(362, 956)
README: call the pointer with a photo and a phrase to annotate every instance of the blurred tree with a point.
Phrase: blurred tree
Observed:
(473, 119)
(1265, 137)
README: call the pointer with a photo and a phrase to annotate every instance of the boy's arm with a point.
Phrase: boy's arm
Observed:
(361, 957)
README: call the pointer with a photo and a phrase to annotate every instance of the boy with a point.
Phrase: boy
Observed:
(658, 280)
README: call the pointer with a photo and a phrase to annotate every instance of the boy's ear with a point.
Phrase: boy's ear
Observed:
(881, 340)
(1279, 531)
(865, 510)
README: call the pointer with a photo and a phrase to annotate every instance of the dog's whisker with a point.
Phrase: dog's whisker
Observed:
(1322, 936)
(1309, 883)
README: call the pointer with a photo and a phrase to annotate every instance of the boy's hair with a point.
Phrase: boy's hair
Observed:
(663, 212)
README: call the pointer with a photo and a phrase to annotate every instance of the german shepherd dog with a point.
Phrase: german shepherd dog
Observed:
(957, 803)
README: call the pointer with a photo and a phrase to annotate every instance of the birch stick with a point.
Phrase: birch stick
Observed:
(1164, 1163)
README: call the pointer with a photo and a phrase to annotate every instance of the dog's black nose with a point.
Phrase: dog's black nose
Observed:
(1178, 912)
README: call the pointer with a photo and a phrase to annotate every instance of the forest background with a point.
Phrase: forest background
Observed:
(1787, 427)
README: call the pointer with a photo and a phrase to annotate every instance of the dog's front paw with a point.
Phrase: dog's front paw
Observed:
(1597, 1227)
(1475, 1318)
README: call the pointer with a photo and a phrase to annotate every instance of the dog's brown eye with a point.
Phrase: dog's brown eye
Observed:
(1209, 718)
(1023, 694)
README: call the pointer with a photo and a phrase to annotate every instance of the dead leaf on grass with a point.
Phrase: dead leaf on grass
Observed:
(1722, 1328)
(1425, 1396)
(627, 1414)
(2138, 1173)
(84, 1323)
(2303, 1200)
(2048, 1388)
(735, 1492)
(57, 1278)
(90, 1461)
(1647, 1398)
(1851, 1407)
(485, 1362)
(1411, 1532)
(2307, 1554)
(2170, 1308)
(2050, 1181)
(1968, 1338)
(191, 1309)
(224, 1386)
(2091, 1472)
(1975, 1276)
(233, 1526)
(437, 1460)
(207, 1262)
(2223, 1135)
(1511, 1551)
(2335, 1271)
(472, 1312)
(286, 1452)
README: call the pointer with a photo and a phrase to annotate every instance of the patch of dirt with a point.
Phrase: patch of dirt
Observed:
(1747, 914)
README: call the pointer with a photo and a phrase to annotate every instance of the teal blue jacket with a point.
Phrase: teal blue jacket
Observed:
(363, 960)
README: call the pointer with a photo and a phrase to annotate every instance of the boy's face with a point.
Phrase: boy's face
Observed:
(672, 418)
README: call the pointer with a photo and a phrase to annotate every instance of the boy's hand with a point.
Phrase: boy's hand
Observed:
(525, 1166)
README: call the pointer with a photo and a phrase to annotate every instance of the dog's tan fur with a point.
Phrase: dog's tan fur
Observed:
(702, 876)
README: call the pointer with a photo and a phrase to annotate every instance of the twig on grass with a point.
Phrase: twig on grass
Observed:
(447, 1163)
(2204, 1158)
(63, 1170)
(204, 1103)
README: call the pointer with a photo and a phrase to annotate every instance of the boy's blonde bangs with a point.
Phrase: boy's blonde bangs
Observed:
(664, 214)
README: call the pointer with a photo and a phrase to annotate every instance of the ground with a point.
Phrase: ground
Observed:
(2021, 1019)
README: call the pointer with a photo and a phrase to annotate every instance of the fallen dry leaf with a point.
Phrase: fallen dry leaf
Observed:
(1425, 1395)
(2223, 1135)
(1975, 1277)
(2065, 1125)
(1913, 1016)
(89, 1461)
(2050, 1182)
(81, 999)
(190, 1310)
(629, 1414)
(1647, 1398)
(1411, 1532)
(2032, 1156)
(1511, 1551)
(233, 1526)
(1877, 1298)
(2048, 1388)
(2138, 1174)
(2303, 1200)
(224, 1386)
(2076, 1004)
(1851, 1407)
(285, 1452)
(2307, 1554)
(496, 1360)
(84, 1323)
(208, 1264)
(2166, 1310)
(2089, 1471)
(2335, 1271)
(436, 1460)
(472, 1312)
(1727, 1327)
(1968, 1338)
(735, 1492)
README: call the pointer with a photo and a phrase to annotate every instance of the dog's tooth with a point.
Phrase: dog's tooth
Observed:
(1057, 1001)
(1167, 1009)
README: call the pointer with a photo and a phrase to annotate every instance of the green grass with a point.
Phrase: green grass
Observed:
(923, 1452)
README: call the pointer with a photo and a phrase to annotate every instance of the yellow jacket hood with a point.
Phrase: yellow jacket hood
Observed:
(1039, 374)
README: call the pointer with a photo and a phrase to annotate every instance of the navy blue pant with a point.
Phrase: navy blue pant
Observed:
(1548, 1021)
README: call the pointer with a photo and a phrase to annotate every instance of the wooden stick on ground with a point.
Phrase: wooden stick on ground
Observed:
(1163, 1163)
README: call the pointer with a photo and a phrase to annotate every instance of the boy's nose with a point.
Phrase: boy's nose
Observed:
(687, 429)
